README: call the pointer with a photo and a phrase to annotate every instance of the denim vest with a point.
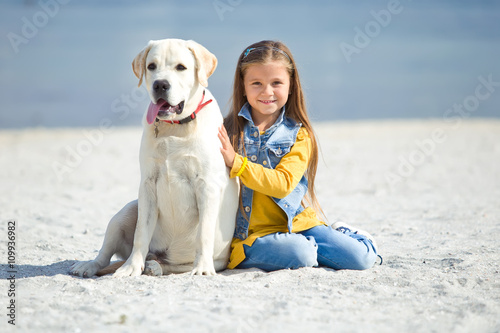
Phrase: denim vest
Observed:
(267, 150)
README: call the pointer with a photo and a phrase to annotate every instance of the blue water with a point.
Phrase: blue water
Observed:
(74, 68)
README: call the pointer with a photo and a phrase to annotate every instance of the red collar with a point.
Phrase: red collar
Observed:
(201, 105)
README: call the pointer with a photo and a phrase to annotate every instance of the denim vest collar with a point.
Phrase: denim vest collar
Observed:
(245, 112)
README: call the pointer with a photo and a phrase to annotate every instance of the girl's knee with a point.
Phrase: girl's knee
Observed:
(364, 260)
(304, 253)
(292, 250)
(283, 251)
(347, 254)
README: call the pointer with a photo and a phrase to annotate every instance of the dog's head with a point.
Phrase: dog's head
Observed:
(173, 70)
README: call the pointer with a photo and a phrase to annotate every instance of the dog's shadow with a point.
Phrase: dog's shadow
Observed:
(27, 271)
(63, 268)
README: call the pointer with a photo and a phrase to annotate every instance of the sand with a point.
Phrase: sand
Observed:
(429, 191)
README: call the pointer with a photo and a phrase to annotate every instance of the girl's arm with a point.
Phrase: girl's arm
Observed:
(278, 182)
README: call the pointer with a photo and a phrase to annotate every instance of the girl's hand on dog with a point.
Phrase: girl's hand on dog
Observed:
(227, 149)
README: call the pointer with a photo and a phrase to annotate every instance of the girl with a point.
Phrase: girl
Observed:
(276, 162)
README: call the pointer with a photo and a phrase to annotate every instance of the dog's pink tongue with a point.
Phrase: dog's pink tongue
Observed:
(152, 112)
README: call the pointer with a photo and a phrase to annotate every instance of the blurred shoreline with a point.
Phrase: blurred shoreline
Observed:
(69, 63)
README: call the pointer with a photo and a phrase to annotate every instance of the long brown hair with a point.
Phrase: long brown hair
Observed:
(295, 107)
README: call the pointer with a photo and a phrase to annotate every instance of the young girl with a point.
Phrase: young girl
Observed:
(276, 162)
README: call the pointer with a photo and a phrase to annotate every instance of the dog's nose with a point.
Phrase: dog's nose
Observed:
(161, 86)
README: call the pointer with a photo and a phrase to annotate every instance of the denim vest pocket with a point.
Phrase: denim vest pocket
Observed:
(277, 151)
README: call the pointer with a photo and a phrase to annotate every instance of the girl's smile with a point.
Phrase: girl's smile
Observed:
(266, 88)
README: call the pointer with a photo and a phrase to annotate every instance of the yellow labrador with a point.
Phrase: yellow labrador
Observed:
(184, 218)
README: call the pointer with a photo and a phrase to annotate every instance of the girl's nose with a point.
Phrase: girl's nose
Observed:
(268, 90)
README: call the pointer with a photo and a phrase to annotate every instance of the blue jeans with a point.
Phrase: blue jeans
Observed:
(321, 245)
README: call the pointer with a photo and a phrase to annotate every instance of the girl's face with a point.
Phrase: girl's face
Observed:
(266, 88)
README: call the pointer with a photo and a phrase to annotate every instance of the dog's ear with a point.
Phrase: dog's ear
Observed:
(139, 63)
(206, 62)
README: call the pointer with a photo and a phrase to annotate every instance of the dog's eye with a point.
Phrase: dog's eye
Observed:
(180, 67)
(152, 66)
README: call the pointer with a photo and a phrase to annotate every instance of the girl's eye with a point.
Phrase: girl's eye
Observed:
(152, 66)
(255, 83)
(180, 67)
(276, 83)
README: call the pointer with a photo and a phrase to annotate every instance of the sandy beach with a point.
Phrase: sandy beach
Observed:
(427, 190)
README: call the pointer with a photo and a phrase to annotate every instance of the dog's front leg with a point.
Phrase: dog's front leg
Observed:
(208, 198)
(146, 223)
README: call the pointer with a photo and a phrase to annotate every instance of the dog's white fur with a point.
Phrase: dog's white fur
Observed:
(185, 214)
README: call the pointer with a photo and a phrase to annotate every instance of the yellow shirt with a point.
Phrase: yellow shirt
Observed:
(267, 217)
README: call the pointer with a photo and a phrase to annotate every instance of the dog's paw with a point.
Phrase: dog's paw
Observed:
(204, 267)
(85, 269)
(128, 269)
(153, 268)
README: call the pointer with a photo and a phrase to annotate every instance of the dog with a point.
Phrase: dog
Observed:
(185, 215)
